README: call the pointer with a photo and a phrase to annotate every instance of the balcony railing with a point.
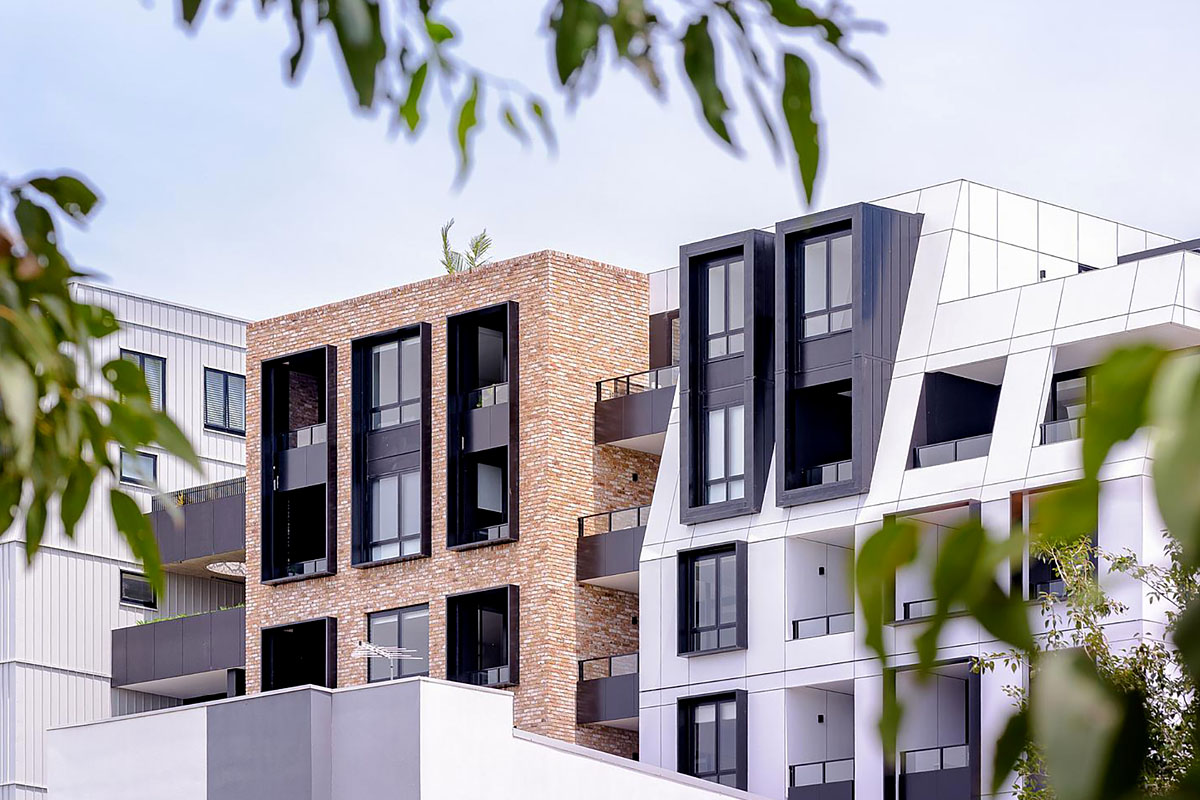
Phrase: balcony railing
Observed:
(591, 669)
(494, 395)
(815, 773)
(199, 494)
(303, 437)
(829, 473)
(493, 676)
(609, 521)
(958, 450)
(822, 626)
(493, 533)
(311, 567)
(933, 759)
(647, 381)
(1062, 430)
(919, 609)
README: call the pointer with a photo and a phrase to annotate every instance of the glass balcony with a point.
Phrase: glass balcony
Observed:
(646, 381)
(822, 626)
(957, 450)
(829, 473)
(1062, 430)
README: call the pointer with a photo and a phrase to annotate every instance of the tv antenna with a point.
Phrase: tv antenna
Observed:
(392, 654)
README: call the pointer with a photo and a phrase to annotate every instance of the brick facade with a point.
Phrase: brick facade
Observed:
(580, 321)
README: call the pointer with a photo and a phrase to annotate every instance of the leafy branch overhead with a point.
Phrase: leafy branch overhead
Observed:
(396, 52)
(62, 420)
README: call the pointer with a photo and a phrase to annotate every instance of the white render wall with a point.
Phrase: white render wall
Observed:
(57, 615)
(976, 306)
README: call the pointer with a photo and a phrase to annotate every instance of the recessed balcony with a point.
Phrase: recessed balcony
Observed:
(187, 658)
(610, 547)
(632, 411)
(822, 780)
(607, 692)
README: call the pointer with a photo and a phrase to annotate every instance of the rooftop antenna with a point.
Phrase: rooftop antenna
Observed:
(392, 654)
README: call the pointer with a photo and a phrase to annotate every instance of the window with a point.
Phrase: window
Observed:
(300, 653)
(394, 511)
(224, 401)
(155, 370)
(724, 454)
(482, 637)
(140, 469)
(713, 740)
(827, 288)
(726, 308)
(407, 628)
(1069, 395)
(395, 382)
(713, 599)
(136, 590)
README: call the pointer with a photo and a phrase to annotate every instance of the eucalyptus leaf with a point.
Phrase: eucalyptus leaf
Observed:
(799, 113)
(700, 64)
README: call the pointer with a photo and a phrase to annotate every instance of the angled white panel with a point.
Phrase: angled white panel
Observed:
(658, 292)
(1130, 240)
(672, 668)
(1157, 282)
(1154, 240)
(1058, 231)
(1052, 267)
(1038, 308)
(939, 204)
(1015, 266)
(650, 736)
(1018, 414)
(1191, 281)
(650, 625)
(766, 601)
(962, 214)
(923, 292)
(956, 275)
(982, 265)
(766, 744)
(1017, 220)
(1097, 295)
(983, 200)
(974, 321)
(1097, 241)
(906, 202)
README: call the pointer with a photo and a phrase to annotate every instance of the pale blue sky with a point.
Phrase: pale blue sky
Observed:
(227, 189)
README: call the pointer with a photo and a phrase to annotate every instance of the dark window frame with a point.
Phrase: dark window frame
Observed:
(728, 479)
(227, 428)
(802, 316)
(133, 481)
(370, 409)
(140, 358)
(687, 744)
(398, 612)
(330, 669)
(152, 604)
(400, 538)
(512, 632)
(727, 333)
(687, 632)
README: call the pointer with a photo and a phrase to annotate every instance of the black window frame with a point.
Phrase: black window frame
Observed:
(727, 480)
(398, 613)
(687, 739)
(1068, 375)
(512, 633)
(125, 599)
(370, 409)
(228, 427)
(140, 358)
(131, 481)
(368, 515)
(688, 633)
(829, 309)
(726, 333)
(329, 655)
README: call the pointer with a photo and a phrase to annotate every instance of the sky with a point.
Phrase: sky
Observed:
(227, 188)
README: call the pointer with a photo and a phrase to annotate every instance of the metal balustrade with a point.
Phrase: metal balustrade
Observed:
(814, 773)
(957, 450)
(1062, 430)
(934, 758)
(812, 627)
(591, 669)
(836, 472)
(494, 395)
(199, 494)
(303, 437)
(646, 381)
(618, 520)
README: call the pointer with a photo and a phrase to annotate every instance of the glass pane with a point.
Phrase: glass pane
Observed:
(137, 467)
(382, 630)
(840, 293)
(214, 399)
(410, 369)
(727, 568)
(414, 635)
(736, 343)
(386, 418)
(705, 736)
(737, 489)
(715, 443)
(954, 757)
(385, 508)
(838, 771)
(841, 320)
(489, 488)
(816, 326)
(381, 551)
(385, 374)
(708, 640)
(410, 504)
(716, 493)
(410, 412)
(236, 386)
(1071, 396)
(726, 637)
(716, 347)
(136, 589)
(814, 276)
(154, 368)
(735, 447)
(716, 299)
(704, 592)
(807, 774)
(736, 308)
(727, 736)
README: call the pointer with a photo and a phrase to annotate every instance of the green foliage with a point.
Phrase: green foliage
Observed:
(393, 52)
(474, 256)
(62, 418)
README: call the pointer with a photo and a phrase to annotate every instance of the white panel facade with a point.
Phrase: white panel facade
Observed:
(1000, 293)
(57, 615)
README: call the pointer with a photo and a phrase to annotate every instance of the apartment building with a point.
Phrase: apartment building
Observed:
(61, 618)
(922, 356)
(424, 462)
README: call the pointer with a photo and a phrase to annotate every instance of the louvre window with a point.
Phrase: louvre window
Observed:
(155, 370)
(406, 628)
(140, 469)
(224, 401)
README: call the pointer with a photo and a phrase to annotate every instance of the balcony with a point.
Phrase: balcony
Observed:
(610, 547)
(937, 773)
(186, 658)
(1062, 430)
(822, 780)
(211, 529)
(632, 411)
(822, 626)
(947, 452)
(938, 748)
(607, 692)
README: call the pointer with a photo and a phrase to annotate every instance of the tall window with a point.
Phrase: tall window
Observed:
(712, 600)
(155, 370)
(395, 516)
(724, 454)
(395, 382)
(139, 468)
(712, 747)
(826, 295)
(1069, 395)
(224, 401)
(407, 628)
(726, 309)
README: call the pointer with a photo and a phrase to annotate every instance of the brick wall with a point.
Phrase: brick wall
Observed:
(580, 321)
